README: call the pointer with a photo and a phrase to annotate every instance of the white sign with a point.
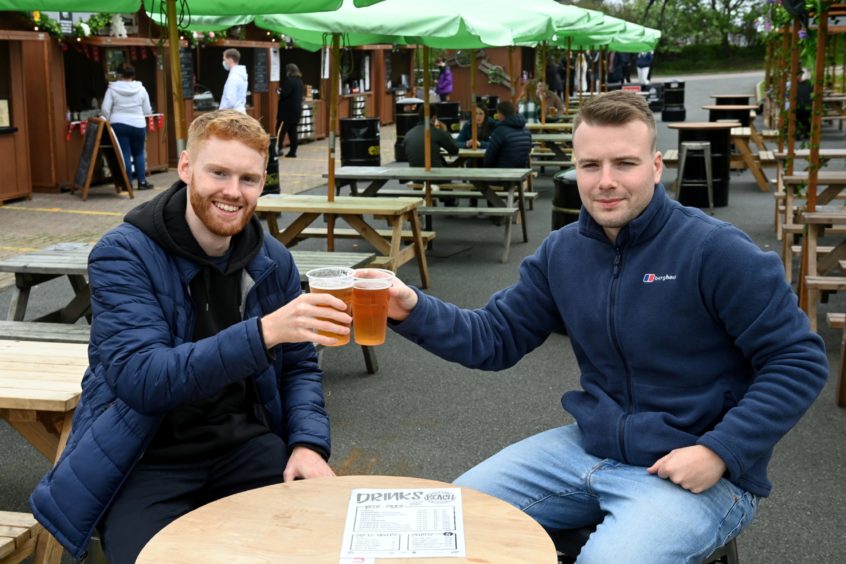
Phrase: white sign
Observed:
(404, 523)
(274, 65)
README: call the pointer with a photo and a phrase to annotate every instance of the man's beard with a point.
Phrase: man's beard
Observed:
(203, 208)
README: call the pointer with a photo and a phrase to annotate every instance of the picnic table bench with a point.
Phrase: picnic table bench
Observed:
(488, 181)
(39, 391)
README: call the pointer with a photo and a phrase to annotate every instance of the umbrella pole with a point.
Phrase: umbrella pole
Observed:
(427, 132)
(782, 79)
(175, 79)
(473, 127)
(567, 80)
(514, 78)
(333, 132)
(542, 79)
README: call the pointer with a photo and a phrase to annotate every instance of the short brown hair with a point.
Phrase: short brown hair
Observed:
(617, 107)
(228, 125)
(233, 54)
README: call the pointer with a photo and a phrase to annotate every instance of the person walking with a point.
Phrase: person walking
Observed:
(235, 90)
(125, 106)
(644, 62)
(203, 380)
(290, 109)
(444, 86)
(695, 358)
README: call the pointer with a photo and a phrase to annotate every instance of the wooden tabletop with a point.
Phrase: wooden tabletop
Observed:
(40, 376)
(303, 522)
(730, 107)
(718, 96)
(63, 258)
(420, 173)
(703, 124)
(552, 137)
(806, 153)
(553, 126)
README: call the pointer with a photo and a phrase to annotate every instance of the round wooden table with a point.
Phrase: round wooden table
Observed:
(303, 522)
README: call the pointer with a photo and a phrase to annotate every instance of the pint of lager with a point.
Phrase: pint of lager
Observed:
(370, 305)
(337, 281)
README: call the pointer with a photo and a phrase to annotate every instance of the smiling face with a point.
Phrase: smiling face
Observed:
(617, 168)
(224, 178)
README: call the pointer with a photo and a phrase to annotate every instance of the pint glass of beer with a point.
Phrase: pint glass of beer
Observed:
(370, 305)
(337, 281)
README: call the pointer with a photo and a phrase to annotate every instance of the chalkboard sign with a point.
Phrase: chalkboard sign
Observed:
(186, 72)
(260, 71)
(99, 137)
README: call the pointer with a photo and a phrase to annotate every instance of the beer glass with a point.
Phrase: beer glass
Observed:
(337, 281)
(370, 305)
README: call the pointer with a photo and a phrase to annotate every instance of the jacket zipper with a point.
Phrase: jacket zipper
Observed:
(612, 307)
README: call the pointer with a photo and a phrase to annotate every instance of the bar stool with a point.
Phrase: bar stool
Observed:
(703, 147)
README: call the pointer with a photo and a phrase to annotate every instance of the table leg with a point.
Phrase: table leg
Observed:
(370, 360)
(20, 299)
(373, 188)
(521, 205)
(419, 248)
(290, 233)
(752, 163)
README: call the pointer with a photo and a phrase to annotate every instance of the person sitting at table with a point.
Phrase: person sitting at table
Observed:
(695, 359)
(415, 142)
(484, 126)
(534, 97)
(203, 381)
(510, 142)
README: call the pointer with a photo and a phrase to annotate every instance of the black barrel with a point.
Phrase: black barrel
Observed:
(405, 117)
(449, 114)
(360, 142)
(566, 202)
(271, 184)
(674, 109)
(490, 103)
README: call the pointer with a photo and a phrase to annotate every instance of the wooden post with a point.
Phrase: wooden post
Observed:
(791, 117)
(781, 89)
(567, 80)
(542, 80)
(427, 132)
(816, 108)
(180, 131)
(511, 74)
(473, 127)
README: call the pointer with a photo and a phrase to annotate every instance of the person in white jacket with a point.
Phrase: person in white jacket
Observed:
(235, 90)
(125, 106)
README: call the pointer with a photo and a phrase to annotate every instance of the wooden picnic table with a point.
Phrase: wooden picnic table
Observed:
(466, 156)
(732, 99)
(551, 127)
(741, 136)
(352, 210)
(40, 386)
(71, 260)
(482, 179)
(736, 112)
(559, 143)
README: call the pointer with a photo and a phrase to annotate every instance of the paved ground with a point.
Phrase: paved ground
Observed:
(423, 416)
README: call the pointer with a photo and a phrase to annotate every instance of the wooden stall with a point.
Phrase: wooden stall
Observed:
(493, 74)
(14, 131)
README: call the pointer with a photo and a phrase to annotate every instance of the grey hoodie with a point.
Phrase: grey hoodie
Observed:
(127, 102)
(235, 90)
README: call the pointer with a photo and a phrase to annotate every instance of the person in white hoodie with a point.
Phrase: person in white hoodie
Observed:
(235, 90)
(125, 105)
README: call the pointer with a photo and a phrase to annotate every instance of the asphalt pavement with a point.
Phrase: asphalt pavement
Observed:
(425, 417)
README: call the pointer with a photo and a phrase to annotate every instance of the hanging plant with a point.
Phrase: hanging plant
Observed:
(83, 28)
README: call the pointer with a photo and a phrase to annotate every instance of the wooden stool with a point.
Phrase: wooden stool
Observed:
(705, 148)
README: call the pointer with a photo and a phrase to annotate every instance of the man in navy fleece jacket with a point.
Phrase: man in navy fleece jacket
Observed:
(695, 359)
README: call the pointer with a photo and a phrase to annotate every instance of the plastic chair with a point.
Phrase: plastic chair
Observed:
(703, 147)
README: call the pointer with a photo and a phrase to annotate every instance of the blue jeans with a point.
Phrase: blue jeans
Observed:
(641, 517)
(132, 140)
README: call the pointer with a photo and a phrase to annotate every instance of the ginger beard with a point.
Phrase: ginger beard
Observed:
(212, 217)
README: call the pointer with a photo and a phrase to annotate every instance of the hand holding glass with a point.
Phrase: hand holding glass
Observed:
(337, 281)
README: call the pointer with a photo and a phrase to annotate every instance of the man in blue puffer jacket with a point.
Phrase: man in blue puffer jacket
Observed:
(695, 359)
(202, 380)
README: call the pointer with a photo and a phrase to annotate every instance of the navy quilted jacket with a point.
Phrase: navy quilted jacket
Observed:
(509, 145)
(142, 364)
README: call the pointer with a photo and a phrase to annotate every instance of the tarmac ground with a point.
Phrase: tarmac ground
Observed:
(422, 416)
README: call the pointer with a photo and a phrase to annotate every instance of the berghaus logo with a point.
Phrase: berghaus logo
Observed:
(650, 278)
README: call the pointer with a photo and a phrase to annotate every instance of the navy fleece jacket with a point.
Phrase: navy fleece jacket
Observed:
(685, 332)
